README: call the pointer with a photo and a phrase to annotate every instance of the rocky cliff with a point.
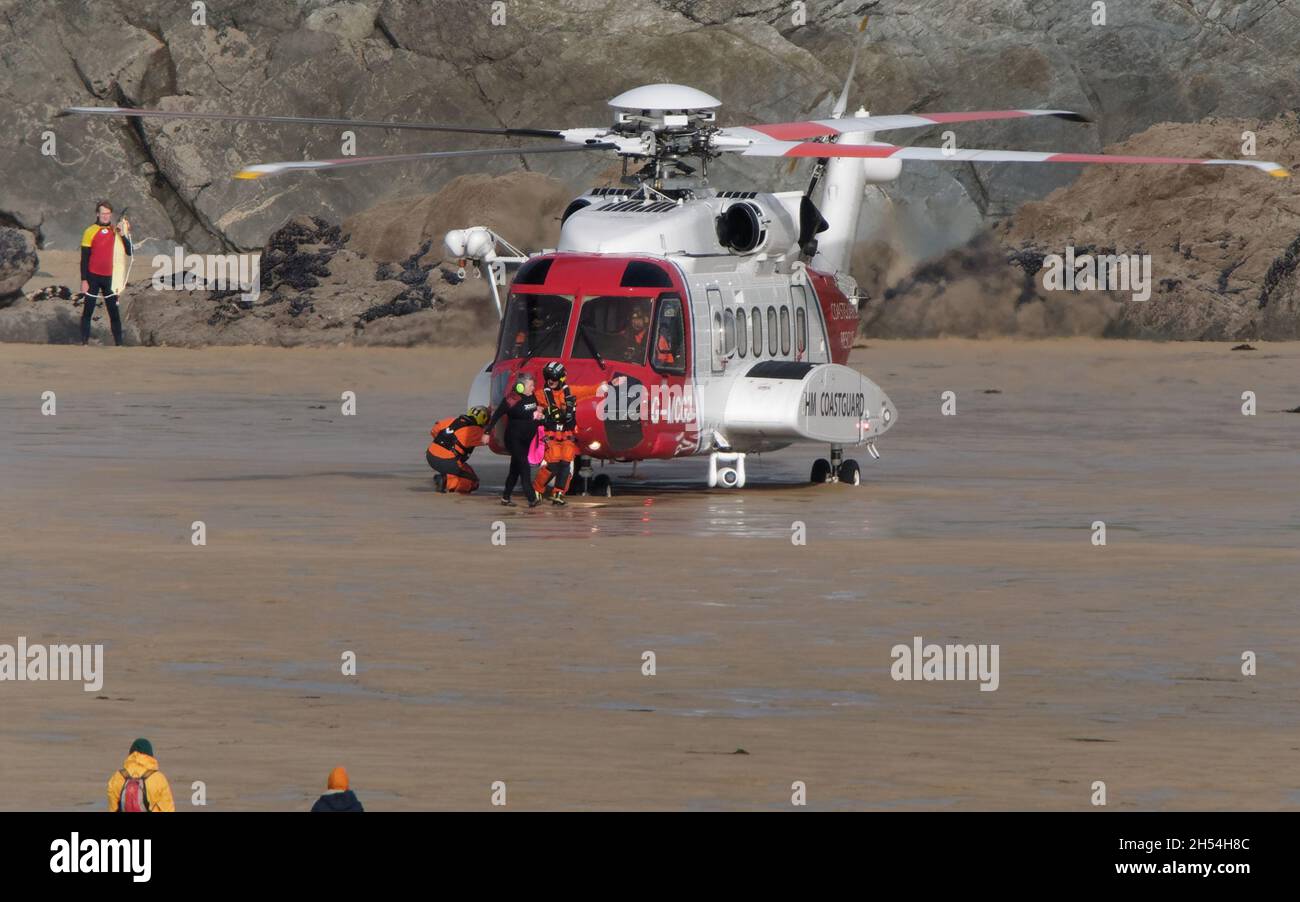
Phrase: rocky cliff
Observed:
(554, 63)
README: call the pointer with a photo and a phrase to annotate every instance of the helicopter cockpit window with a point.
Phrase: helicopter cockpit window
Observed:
(534, 325)
(617, 328)
(670, 337)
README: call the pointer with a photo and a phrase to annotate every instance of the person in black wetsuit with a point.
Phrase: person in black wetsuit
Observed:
(97, 245)
(519, 407)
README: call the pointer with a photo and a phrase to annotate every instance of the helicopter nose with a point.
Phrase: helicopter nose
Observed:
(888, 413)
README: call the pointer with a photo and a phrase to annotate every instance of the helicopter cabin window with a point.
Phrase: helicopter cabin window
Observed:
(799, 298)
(534, 325)
(728, 332)
(785, 331)
(534, 271)
(756, 320)
(643, 274)
(771, 331)
(742, 332)
(613, 328)
(717, 335)
(670, 337)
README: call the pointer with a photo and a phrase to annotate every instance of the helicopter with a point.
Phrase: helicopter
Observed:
(708, 323)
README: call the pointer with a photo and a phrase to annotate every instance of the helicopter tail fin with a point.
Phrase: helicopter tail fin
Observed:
(844, 182)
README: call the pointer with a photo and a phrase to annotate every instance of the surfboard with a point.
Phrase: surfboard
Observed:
(120, 259)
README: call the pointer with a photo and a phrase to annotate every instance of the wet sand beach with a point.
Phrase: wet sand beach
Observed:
(523, 663)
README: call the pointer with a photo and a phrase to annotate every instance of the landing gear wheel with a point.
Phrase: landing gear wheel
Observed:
(849, 473)
(601, 486)
(821, 471)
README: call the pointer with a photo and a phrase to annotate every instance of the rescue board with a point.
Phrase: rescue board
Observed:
(120, 259)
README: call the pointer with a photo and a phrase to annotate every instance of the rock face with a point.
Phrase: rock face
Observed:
(554, 64)
(1224, 246)
(355, 256)
(316, 288)
(522, 207)
(17, 262)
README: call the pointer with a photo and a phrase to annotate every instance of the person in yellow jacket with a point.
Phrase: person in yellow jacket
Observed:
(139, 785)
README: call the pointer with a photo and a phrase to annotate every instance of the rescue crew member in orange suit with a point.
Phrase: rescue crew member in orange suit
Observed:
(454, 440)
(636, 350)
(559, 406)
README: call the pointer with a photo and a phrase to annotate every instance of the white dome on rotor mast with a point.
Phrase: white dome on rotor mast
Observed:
(663, 97)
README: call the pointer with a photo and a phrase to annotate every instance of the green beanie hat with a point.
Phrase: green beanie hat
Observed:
(143, 746)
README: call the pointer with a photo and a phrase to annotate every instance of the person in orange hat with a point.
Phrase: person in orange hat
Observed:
(338, 797)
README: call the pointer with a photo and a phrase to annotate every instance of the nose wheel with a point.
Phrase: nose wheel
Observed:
(601, 486)
(837, 469)
(588, 482)
(821, 471)
(850, 473)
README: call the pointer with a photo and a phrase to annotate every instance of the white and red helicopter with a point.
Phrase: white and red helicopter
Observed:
(706, 322)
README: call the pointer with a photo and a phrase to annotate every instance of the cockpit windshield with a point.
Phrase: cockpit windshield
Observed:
(617, 328)
(534, 325)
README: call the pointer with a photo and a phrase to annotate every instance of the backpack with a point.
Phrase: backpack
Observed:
(134, 797)
(446, 438)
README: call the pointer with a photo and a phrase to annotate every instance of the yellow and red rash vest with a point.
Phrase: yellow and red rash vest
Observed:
(97, 250)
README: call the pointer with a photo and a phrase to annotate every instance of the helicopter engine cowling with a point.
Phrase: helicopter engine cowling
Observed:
(724, 223)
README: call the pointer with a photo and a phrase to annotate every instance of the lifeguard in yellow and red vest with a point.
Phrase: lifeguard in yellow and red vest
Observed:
(454, 440)
(559, 406)
(105, 251)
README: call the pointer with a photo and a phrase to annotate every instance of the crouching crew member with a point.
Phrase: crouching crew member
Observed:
(454, 440)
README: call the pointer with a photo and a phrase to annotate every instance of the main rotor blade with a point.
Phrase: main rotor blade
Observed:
(939, 155)
(822, 128)
(261, 169)
(304, 120)
(842, 103)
